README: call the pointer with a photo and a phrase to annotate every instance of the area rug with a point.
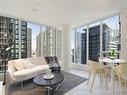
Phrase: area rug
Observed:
(29, 88)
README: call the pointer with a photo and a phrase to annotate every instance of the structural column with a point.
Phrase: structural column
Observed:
(20, 40)
(66, 47)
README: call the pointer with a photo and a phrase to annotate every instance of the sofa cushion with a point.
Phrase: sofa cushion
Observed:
(28, 64)
(19, 64)
(29, 73)
(38, 61)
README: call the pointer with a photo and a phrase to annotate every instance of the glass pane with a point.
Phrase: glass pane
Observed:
(94, 41)
(32, 32)
(84, 46)
(111, 34)
(72, 45)
(80, 45)
(49, 42)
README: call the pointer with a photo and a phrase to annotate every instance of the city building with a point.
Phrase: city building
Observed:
(83, 48)
(29, 42)
(49, 42)
(40, 44)
(19, 48)
(110, 41)
(94, 42)
(13, 33)
(6, 34)
(72, 55)
(78, 48)
(37, 45)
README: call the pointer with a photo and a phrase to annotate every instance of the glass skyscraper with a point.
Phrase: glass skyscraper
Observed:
(94, 42)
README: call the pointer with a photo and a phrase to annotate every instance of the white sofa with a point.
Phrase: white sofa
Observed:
(24, 69)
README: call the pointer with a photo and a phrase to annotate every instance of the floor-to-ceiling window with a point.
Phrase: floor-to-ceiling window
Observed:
(78, 46)
(79, 31)
(46, 41)
(95, 40)
(20, 37)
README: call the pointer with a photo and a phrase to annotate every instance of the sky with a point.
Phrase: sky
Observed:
(35, 31)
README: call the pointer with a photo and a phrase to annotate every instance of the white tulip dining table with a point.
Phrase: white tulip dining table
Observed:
(112, 63)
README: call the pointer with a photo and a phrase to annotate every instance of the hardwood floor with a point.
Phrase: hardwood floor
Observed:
(33, 91)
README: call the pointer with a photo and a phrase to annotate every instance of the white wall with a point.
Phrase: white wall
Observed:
(123, 17)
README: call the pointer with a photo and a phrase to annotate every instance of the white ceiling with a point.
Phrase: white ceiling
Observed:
(57, 12)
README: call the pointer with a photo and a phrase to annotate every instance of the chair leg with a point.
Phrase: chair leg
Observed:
(114, 85)
(88, 78)
(101, 79)
(106, 81)
(125, 86)
(120, 84)
(22, 87)
(92, 83)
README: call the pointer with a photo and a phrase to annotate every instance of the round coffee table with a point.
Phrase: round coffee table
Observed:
(49, 83)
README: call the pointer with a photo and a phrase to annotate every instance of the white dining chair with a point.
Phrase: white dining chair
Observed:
(94, 69)
(121, 72)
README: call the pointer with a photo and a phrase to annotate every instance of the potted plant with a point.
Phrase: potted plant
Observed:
(112, 54)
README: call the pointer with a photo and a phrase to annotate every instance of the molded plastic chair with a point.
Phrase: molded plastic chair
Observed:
(96, 68)
(121, 72)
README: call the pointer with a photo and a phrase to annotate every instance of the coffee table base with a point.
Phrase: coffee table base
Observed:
(51, 85)
(53, 89)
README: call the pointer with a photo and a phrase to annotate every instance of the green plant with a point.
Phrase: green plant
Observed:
(112, 53)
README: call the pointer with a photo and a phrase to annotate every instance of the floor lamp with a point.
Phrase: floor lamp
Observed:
(5, 62)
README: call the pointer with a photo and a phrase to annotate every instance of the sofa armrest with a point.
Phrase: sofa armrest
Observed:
(11, 69)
